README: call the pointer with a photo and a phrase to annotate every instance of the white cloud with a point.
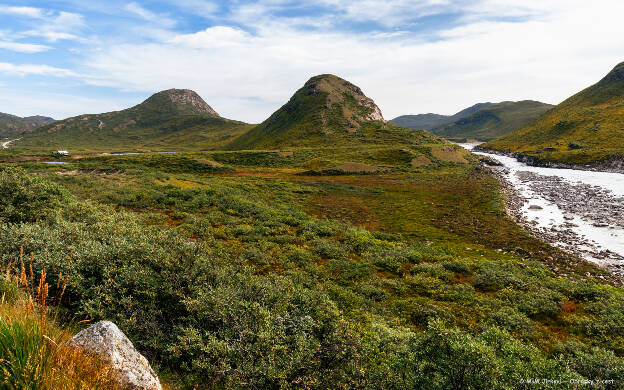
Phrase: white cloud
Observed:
(30, 12)
(246, 76)
(30, 69)
(497, 50)
(387, 12)
(64, 25)
(148, 15)
(23, 47)
(212, 38)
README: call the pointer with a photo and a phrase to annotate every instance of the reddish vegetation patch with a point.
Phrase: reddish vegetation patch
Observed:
(173, 222)
(346, 208)
(568, 307)
(462, 279)
(285, 154)
(256, 173)
(23, 158)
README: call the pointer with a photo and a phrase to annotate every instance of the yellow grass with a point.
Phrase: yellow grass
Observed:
(420, 161)
(448, 154)
(33, 350)
(357, 167)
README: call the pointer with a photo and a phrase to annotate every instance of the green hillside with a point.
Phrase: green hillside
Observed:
(483, 121)
(432, 121)
(586, 128)
(327, 110)
(492, 121)
(12, 126)
(420, 121)
(175, 118)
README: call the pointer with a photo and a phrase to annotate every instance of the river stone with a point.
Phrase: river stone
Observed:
(535, 207)
(131, 369)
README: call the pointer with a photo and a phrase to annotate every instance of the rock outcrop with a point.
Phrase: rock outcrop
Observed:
(105, 340)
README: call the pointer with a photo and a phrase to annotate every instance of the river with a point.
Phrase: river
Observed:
(578, 211)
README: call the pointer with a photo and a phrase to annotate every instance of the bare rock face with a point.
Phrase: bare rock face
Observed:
(186, 97)
(336, 88)
(131, 369)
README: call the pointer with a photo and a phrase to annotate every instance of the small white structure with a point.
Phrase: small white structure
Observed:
(61, 153)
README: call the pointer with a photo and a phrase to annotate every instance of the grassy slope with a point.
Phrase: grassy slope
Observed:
(178, 133)
(492, 121)
(588, 127)
(159, 123)
(421, 121)
(12, 126)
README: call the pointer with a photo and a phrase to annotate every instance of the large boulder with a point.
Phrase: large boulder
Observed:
(131, 369)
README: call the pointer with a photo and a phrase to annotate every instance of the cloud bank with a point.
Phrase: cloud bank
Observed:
(246, 58)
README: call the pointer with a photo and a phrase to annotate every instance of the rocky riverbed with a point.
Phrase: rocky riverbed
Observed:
(579, 212)
(593, 205)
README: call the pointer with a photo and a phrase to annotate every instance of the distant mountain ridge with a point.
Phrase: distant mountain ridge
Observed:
(420, 121)
(167, 118)
(12, 125)
(431, 121)
(327, 110)
(586, 128)
(482, 121)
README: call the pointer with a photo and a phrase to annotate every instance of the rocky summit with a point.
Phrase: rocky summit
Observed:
(177, 101)
(344, 95)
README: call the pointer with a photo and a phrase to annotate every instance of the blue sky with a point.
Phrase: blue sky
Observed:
(246, 58)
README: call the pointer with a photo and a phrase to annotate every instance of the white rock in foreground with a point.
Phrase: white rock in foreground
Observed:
(131, 369)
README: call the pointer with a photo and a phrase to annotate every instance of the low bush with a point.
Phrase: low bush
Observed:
(24, 198)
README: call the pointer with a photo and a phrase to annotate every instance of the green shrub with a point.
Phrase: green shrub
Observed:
(510, 319)
(24, 198)
(493, 277)
(435, 270)
(594, 364)
(450, 359)
(329, 249)
(538, 302)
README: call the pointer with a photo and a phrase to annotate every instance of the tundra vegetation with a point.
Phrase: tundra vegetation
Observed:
(263, 269)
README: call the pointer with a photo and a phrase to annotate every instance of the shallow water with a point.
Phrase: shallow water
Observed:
(552, 217)
(55, 162)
